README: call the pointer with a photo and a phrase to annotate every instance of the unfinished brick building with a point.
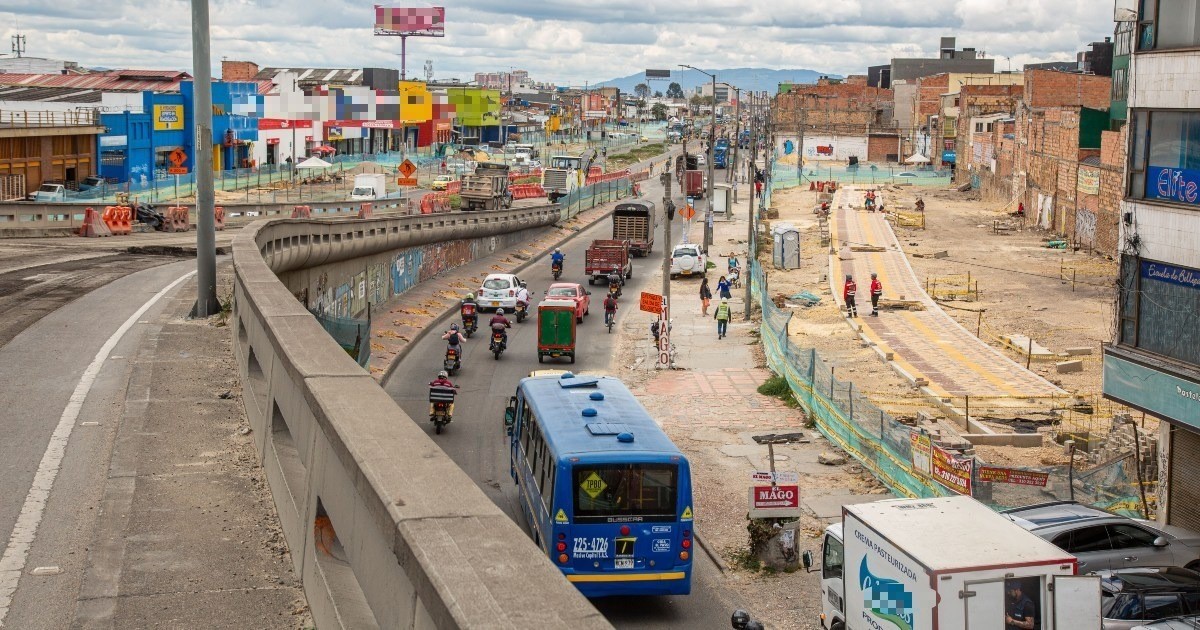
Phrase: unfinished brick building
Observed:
(839, 120)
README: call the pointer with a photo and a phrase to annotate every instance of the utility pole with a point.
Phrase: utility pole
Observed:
(708, 191)
(202, 165)
(664, 319)
(751, 249)
(737, 138)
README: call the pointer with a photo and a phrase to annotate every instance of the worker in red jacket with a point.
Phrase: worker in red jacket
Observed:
(848, 292)
(876, 291)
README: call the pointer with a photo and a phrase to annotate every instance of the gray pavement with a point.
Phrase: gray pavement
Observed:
(146, 510)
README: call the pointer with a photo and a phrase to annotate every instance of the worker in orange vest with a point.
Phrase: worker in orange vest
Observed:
(876, 292)
(848, 292)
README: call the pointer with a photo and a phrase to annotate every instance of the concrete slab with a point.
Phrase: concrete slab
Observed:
(1023, 344)
(829, 507)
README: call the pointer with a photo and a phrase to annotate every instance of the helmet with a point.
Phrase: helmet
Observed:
(470, 296)
(874, 275)
(849, 277)
(499, 311)
(453, 326)
(556, 250)
(443, 374)
(523, 285)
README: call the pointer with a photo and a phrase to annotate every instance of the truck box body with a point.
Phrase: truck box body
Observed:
(693, 182)
(942, 564)
(604, 256)
(369, 187)
(635, 221)
(486, 189)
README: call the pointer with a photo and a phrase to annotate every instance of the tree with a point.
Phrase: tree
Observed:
(641, 90)
(674, 90)
(658, 111)
(658, 94)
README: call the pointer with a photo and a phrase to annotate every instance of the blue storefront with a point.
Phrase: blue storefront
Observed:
(137, 147)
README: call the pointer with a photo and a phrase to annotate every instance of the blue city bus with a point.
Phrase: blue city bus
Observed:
(605, 493)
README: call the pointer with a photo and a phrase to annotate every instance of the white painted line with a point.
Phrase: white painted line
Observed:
(16, 554)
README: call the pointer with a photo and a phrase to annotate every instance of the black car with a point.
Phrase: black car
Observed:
(1132, 597)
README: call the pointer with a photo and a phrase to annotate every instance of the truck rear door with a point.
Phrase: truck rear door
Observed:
(984, 601)
(1076, 602)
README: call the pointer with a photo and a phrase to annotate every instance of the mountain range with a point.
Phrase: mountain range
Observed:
(757, 79)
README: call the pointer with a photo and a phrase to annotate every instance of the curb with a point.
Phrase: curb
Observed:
(438, 319)
(724, 568)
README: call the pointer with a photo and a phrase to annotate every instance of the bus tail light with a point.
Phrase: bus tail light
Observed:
(683, 555)
(687, 544)
(562, 558)
(562, 546)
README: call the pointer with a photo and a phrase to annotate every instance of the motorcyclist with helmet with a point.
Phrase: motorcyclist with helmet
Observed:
(468, 309)
(500, 324)
(556, 260)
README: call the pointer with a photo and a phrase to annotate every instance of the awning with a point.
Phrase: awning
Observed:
(917, 158)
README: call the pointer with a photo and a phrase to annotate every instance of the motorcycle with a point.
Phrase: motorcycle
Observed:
(498, 344)
(556, 269)
(614, 290)
(469, 319)
(452, 361)
(441, 405)
(522, 311)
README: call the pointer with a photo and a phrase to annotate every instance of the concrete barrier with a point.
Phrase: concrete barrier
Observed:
(385, 530)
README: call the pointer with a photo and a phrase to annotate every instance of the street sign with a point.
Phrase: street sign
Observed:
(776, 477)
(687, 212)
(651, 303)
(774, 501)
(177, 170)
(177, 158)
(406, 181)
(407, 168)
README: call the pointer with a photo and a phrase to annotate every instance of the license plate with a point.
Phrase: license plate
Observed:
(495, 304)
(686, 273)
(623, 563)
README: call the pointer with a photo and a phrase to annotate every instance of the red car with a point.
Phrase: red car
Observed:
(574, 292)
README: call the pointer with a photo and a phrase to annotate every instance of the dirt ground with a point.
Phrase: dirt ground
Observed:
(1060, 298)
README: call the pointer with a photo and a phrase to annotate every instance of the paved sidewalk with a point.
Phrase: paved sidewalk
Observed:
(926, 344)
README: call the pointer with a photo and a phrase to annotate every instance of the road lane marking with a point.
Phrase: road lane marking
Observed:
(16, 554)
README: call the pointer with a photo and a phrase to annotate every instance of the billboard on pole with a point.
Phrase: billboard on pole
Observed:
(427, 21)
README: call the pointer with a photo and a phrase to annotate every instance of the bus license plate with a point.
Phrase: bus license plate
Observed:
(623, 563)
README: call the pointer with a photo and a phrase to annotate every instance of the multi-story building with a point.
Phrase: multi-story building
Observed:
(1153, 364)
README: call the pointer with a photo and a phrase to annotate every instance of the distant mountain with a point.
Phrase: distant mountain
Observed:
(757, 79)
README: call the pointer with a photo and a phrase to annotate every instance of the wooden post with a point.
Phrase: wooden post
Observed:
(979, 323)
(1072, 281)
(1029, 354)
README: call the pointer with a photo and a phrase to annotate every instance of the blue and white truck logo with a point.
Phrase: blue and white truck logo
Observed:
(887, 598)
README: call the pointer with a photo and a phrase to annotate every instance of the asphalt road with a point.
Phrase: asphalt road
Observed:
(476, 440)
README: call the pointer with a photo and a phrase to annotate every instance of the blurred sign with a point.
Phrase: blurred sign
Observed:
(406, 181)
(426, 21)
(168, 117)
(1013, 476)
(658, 74)
(407, 168)
(952, 472)
(651, 303)
(775, 477)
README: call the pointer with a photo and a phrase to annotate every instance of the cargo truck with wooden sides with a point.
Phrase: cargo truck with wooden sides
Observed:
(605, 256)
(635, 221)
(486, 189)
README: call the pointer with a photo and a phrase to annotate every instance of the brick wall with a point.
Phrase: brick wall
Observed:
(1052, 88)
(929, 98)
(1112, 190)
(881, 146)
(844, 109)
(238, 70)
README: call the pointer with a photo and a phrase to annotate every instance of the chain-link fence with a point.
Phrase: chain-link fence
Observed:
(588, 197)
(353, 335)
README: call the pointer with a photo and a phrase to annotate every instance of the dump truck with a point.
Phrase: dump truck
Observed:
(635, 221)
(605, 256)
(941, 563)
(562, 176)
(486, 189)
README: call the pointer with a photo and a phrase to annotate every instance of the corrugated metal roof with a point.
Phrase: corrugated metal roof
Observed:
(25, 93)
(343, 76)
(114, 81)
(1091, 160)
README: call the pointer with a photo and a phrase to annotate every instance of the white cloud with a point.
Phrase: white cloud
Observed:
(567, 41)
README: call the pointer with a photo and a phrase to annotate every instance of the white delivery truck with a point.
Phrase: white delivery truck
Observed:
(947, 563)
(369, 187)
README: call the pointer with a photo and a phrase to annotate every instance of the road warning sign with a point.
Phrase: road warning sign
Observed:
(406, 181)
(177, 158)
(407, 168)
(593, 485)
(687, 212)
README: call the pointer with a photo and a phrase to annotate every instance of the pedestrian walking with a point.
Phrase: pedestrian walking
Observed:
(723, 289)
(848, 291)
(705, 296)
(876, 291)
(722, 315)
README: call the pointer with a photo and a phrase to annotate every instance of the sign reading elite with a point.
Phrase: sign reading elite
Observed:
(651, 303)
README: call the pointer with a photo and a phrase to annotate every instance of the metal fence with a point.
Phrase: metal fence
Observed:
(588, 197)
(353, 335)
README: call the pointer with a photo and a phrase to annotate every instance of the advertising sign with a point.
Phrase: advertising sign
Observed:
(1013, 476)
(775, 477)
(168, 117)
(774, 501)
(952, 472)
(922, 450)
(1173, 184)
(1089, 180)
(427, 21)
(651, 303)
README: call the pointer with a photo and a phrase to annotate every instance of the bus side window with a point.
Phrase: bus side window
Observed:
(548, 486)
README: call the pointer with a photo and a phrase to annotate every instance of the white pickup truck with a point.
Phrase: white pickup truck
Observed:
(50, 193)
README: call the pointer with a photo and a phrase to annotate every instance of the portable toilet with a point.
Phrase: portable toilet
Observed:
(786, 254)
(722, 201)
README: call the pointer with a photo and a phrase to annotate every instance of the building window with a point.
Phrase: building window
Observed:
(1165, 160)
(1120, 83)
(1160, 308)
(1167, 24)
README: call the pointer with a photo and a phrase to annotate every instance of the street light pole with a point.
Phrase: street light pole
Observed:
(202, 165)
(712, 132)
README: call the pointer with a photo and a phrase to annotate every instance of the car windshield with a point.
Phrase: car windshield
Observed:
(362, 191)
(496, 283)
(685, 251)
(562, 292)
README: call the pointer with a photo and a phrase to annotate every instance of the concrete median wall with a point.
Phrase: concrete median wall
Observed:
(385, 530)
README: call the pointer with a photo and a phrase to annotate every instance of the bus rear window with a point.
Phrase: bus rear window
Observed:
(605, 492)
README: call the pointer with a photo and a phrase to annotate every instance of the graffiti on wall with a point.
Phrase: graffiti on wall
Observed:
(406, 270)
(439, 257)
(1085, 227)
(359, 299)
(377, 283)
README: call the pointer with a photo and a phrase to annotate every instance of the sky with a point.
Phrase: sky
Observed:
(566, 42)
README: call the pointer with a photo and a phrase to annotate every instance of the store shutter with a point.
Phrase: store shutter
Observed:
(1183, 504)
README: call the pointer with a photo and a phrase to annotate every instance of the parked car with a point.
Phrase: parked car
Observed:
(442, 181)
(90, 182)
(1131, 597)
(1104, 541)
(687, 259)
(499, 290)
(906, 174)
(573, 292)
(1185, 622)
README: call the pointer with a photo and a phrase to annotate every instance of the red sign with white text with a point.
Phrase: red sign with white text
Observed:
(768, 497)
(280, 123)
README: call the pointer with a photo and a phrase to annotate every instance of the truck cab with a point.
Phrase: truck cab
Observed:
(562, 176)
(50, 193)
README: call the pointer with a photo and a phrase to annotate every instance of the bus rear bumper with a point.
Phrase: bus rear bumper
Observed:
(619, 584)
